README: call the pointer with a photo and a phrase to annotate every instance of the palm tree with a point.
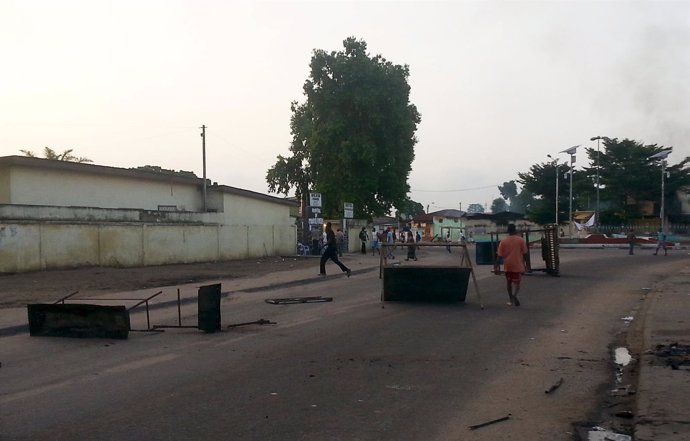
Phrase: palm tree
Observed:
(49, 153)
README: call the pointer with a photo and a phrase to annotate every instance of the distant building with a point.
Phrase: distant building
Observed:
(474, 226)
(438, 224)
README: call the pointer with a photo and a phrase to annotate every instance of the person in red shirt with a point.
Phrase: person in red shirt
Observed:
(512, 251)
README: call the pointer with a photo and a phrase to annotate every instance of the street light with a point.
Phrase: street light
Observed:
(596, 209)
(661, 156)
(571, 152)
(555, 163)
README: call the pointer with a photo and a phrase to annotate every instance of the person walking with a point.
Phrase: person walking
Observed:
(375, 242)
(390, 240)
(340, 241)
(331, 252)
(631, 241)
(364, 237)
(661, 242)
(511, 251)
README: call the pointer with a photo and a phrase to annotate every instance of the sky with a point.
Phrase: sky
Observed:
(499, 84)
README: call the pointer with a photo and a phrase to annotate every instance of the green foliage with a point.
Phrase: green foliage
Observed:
(540, 181)
(51, 154)
(353, 138)
(412, 208)
(522, 202)
(475, 208)
(628, 178)
(499, 205)
(508, 190)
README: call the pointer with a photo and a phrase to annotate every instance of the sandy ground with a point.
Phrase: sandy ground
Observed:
(17, 290)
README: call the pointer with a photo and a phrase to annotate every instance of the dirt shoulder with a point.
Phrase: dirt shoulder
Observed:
(17, 290)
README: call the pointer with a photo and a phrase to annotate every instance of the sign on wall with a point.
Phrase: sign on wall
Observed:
(349, 210)
(314, 199)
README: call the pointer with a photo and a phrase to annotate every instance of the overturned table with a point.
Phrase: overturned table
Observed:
(445, 280)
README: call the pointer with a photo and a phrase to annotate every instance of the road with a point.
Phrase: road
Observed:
(347, 369)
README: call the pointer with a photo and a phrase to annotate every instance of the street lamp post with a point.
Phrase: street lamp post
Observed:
(571, 152)
(661, 210)
(661, 156)
(596, 208)
(555, 163)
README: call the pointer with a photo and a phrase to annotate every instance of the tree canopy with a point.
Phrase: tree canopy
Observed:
(499, 205)
(628, 179)
(353, 138)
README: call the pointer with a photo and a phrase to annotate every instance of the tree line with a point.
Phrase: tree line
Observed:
(629, 181)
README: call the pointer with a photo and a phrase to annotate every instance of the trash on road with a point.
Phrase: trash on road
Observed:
(255, 322)
(488, 423)
(554, 386)
(292, 300)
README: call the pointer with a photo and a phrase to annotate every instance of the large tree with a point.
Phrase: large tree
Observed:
(353, 138)
(540, 181)
(499, 205)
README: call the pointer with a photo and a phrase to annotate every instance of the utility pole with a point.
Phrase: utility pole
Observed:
(203, 154)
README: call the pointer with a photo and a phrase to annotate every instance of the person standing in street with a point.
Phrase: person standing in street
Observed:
(631, 241)
(340, 241)
(331, 252)
(390, 240)
(411, 247)
(375, 242)
(364, 237)
(661, 242)
(512, 251)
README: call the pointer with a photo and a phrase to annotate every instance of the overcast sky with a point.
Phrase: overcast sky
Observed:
(499, 85)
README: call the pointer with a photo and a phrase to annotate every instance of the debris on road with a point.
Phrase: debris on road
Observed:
(292, 300)
(676, 355)
(488, 423)
(554, 386)
(255, 322)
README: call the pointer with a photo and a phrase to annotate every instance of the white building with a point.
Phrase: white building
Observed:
(57, 214)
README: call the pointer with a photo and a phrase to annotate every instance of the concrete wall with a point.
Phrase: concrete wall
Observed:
(4, 185)
(37, 186)
(34, 246)
(242, 210)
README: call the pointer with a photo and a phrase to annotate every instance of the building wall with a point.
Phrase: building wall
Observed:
(444, 224)
(35, 246)
(61, 218)
(4, 185)
(37, 186)
(243, 210)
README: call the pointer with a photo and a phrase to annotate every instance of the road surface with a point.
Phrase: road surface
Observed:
(347, 369)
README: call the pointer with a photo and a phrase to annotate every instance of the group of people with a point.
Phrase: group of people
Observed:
(331, 244)
(660, 243)
(390, 237)
(511, 252)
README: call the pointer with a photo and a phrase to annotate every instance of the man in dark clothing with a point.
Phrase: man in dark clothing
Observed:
(331, 253)
(364, 237)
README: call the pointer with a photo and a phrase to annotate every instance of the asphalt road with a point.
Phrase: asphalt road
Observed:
(347, 369)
